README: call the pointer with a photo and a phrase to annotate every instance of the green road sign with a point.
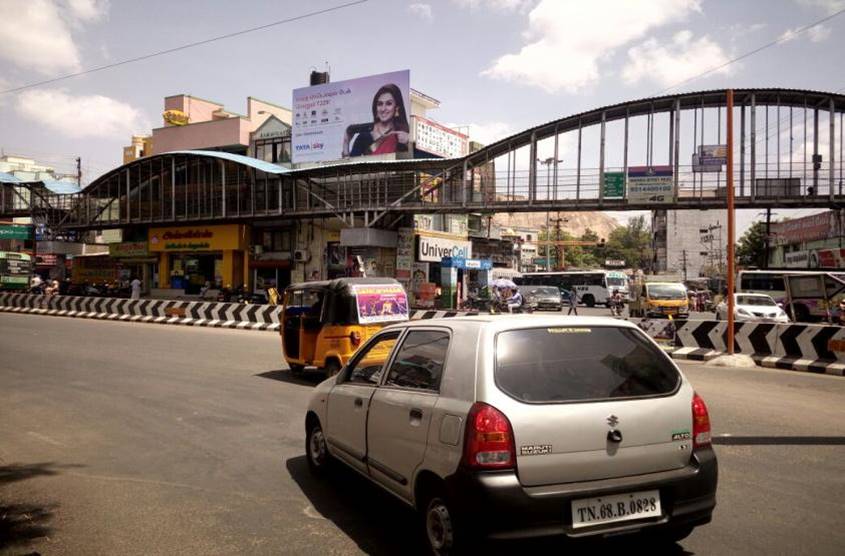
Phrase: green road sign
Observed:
(15, 232)
(614, 184)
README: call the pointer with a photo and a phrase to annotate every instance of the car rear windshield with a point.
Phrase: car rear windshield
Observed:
(571, 364)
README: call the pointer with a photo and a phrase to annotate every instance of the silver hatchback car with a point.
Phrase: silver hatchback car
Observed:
(517, 426)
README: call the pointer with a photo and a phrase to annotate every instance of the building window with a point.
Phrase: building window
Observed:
(275, 150)
(276, 240)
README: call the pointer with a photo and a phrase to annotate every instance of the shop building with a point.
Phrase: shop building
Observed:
(195, 123)
(190, 256)
(811, 242)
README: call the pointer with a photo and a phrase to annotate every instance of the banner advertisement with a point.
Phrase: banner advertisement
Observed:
(710, 158)
(352, 118)
(436, 139)
(381, 303)
(650, 184)
(404, 253)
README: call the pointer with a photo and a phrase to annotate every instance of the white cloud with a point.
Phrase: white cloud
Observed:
(566, 41)
(88, 10)
(827, 5)
(36, 34)
(819, 33)
(680, 59)
(484, 133)
(35, 37)
(81, 116)
(496, 5)
(422, 11)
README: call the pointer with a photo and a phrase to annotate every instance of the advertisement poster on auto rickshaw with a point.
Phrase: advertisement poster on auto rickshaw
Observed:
(381, 303)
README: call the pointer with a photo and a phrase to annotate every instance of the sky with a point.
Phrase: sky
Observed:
(497, 66)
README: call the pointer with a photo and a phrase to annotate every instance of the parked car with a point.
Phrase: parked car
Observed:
(753, 307)
(542, 298)
(517, 426)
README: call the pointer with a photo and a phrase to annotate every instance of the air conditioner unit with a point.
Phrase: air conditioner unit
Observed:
(302, 255)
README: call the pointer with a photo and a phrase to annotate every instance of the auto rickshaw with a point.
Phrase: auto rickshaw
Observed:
(323, 323)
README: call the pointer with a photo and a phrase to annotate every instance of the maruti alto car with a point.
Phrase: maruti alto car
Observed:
(517, 426)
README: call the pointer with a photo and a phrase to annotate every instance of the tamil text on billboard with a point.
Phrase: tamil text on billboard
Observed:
(353, 118)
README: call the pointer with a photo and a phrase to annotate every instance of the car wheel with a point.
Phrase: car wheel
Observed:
(316, 450)
(589, 300)
(440, 530)
(332, 368)
(297, 369)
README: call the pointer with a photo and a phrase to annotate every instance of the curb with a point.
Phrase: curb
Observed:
(768, 361)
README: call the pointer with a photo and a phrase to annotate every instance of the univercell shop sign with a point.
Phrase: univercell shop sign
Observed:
(434, 249)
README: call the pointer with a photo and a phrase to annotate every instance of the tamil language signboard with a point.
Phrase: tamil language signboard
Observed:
(650, 184)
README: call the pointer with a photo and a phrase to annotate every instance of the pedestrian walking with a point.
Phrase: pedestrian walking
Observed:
(135, 284)
(573, 303)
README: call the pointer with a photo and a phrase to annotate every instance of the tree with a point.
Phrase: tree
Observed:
(631, 243)
(751, 247)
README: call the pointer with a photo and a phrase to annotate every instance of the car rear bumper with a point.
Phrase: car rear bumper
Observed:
(496, 505)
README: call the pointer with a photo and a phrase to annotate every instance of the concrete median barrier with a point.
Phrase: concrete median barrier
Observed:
(191, 313)
(800, 347)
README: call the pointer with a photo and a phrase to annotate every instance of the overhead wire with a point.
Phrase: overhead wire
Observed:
(185, 46)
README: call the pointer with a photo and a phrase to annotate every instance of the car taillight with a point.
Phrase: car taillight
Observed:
(700, 423)
(355, 338)
(489, 442)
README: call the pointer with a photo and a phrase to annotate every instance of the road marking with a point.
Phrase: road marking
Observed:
(46, 439)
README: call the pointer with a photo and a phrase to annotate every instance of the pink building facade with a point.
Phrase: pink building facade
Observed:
(210, 126)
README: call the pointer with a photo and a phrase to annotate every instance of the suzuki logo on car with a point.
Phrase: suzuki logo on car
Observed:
(612, 420)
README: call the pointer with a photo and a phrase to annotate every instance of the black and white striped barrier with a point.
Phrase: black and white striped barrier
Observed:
(192, 313)
(801, 347)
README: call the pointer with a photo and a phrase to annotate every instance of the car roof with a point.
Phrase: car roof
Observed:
(497, 323)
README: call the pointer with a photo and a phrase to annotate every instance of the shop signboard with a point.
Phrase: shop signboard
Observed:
(336, 120)
(614, 184)
(796, 259)
(809, 228)
(47, 259)
(650, 184)
(467, 264)
(198, 238)
(381, 303)
(434, 249)
(828, 258)
(128, 249)
(14, 231)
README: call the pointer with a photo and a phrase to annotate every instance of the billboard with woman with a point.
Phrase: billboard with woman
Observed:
(357, 117)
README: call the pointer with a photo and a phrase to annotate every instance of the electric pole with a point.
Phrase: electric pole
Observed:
(684, 263)
(79, 172)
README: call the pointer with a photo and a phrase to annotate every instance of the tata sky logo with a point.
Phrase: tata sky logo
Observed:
(317, 146)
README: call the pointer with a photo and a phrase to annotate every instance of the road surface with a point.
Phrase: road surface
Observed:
(129, 438)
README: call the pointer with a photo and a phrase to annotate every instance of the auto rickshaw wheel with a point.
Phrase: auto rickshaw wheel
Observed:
(332, 367)
(297, 369)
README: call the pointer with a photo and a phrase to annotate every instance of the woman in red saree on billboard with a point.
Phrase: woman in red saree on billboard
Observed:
(389, 131)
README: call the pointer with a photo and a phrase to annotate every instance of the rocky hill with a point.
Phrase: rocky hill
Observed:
(576, 222)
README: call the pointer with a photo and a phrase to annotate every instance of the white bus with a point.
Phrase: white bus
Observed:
(593, 287)
(771, 282)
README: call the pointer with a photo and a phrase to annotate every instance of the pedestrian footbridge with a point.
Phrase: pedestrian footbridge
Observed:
(664, 152)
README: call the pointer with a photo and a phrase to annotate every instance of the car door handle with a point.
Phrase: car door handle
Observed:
(359, 402)
(415, 414)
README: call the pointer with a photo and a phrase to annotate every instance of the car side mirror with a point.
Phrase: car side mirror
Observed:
(780, 305)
